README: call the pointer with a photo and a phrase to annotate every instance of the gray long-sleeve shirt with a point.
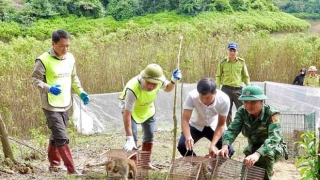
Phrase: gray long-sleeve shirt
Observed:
(39, 82)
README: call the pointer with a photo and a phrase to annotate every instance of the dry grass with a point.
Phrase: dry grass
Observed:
(88, 148)
(106, 63)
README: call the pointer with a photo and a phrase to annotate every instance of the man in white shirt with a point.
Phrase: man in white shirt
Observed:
(211, 107)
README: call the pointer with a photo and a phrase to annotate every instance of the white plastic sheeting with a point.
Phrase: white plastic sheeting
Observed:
(103, 114)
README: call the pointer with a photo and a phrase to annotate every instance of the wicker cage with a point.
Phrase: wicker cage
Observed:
(201, 168)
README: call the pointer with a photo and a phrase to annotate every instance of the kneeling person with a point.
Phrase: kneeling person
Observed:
(211, 107)
(260, 123)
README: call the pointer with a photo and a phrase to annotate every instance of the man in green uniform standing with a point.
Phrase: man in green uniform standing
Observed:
(260, 124)
(231, 72)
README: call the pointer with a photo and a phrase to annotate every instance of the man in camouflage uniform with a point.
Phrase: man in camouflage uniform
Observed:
(260, 123)
(231, 72)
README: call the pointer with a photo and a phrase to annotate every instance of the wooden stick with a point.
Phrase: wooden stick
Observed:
(7, 150)
(175, 122)
(19, 142)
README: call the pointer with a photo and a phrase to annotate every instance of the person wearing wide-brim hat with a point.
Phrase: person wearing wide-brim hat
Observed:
(137, 101)
(260, 123)
(312, 79)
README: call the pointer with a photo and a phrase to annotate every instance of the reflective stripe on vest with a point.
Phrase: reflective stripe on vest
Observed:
(144, 105)
(58, 72)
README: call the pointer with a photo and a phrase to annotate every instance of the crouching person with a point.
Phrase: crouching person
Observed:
(260, 124)
(211, 107)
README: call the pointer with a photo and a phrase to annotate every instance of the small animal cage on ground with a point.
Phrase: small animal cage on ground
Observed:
(201, 168)
(188, 168)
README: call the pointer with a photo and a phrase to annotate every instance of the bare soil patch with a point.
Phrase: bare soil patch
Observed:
(88, 149)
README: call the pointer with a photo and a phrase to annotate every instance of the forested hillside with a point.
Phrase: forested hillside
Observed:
(28, 11)
(307, 9)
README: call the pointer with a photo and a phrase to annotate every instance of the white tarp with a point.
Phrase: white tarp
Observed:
(103, 114)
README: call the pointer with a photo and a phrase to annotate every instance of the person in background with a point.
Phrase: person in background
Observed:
(261, 125)
(137, 103)
(54, 75)
(312, 79)
(231, 72)
(300, 78)
(211, 107)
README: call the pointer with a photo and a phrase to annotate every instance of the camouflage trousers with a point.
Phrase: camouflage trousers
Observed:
(265, 162)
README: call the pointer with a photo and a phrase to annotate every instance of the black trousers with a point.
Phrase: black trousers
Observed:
(207, 132)
(234, 93)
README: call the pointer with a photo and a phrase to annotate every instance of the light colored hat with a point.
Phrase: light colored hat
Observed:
(312, 68)
(252, 93)
(153, 73)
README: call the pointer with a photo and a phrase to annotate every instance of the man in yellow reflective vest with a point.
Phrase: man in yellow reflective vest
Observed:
(54, 75)
(138, 105)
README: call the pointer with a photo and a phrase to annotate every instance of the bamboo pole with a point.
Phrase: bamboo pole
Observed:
(175, 122)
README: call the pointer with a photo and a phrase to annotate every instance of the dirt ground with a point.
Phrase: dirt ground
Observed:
(87, 149)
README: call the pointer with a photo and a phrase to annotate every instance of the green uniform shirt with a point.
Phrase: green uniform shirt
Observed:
(264, 133)
(232, 73)
(312, 81)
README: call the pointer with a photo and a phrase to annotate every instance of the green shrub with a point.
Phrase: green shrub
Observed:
(123, 9)
(309, 164)
(223, 6)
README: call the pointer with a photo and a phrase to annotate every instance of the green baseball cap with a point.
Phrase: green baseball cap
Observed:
(252, 93)
(153, 73)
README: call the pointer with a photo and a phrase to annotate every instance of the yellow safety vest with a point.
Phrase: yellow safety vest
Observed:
(58, 72)
(144, 106)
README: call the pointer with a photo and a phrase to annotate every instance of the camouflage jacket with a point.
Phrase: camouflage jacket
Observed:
(264, 133)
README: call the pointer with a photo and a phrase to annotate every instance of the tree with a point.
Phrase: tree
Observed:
(7, 11)
(42, 8)
(238, 5)
(87, 8)
(194, 7)
(223, 6)
(123, 9)
(5, 141)
(154, 6)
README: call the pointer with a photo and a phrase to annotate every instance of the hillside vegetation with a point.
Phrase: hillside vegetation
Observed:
(110, 52)
(306, 9)
(26, 12)
(165, 23)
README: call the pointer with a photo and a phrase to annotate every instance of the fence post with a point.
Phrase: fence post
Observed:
(318, 151)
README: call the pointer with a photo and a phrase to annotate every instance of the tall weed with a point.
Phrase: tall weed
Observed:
(107, 59)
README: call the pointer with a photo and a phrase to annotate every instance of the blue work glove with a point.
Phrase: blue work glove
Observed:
(85, 98)
(130, 144)
(176, 76)
(55, 89)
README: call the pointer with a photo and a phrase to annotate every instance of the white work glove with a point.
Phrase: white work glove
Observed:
(130, 144)
(176, 76)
